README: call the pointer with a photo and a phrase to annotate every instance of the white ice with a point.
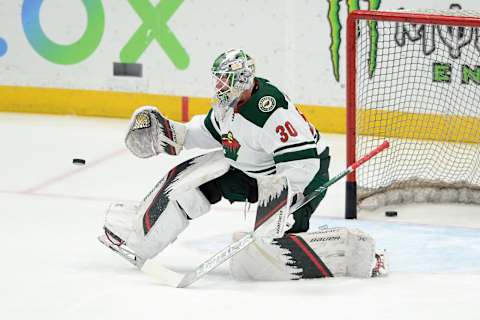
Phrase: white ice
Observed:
(53, 267)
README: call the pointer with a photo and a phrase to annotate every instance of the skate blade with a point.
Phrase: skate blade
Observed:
(159, 274)
(124, 253)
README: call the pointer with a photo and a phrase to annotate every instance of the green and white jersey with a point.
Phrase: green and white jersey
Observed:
(267, 135)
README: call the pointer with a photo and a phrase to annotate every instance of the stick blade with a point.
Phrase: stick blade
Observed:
(162, 275)
(187, 280)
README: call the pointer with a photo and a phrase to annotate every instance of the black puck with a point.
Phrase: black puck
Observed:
(79, 162)
(391, 213)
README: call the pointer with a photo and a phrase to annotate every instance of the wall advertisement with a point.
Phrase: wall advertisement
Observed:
(298, 45)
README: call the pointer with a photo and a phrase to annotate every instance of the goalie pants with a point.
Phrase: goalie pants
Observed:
(235, 185)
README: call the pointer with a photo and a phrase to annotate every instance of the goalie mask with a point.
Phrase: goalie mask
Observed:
(233, 73)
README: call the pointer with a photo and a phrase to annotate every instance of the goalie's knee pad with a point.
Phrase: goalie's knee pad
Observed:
(325, 253)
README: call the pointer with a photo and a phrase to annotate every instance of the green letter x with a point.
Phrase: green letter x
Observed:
(155, 26)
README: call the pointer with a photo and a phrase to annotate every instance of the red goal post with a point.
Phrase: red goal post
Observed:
(354, 87)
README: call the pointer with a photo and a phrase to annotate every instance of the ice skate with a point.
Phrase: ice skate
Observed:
(110, 240)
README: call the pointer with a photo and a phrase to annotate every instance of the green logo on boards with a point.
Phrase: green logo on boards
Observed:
(454, 38)
(336, 30)
(469, 74)
(63, 53)
(154, 27)
(442, 72)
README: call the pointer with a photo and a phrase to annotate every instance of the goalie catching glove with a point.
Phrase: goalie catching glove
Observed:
(150, 133)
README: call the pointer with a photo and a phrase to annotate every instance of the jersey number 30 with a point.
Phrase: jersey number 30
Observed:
(286, 130)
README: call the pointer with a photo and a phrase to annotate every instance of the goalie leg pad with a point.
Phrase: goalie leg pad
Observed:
(274, 198)
(325, 253)
(148, 227)
(167, 227)
(261, 261)
(119, 221)
(125, 225)
(171, 222)
(194, 203)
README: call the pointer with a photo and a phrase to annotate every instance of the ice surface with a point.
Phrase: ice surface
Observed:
(54, 268)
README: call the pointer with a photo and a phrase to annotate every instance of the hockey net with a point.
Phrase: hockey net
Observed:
(414, 79)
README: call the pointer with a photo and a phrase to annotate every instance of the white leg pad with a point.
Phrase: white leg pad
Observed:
(128, 225)
(335, 252)
(260, 261)
(165, 231)
(360, 254)
(148, 227)
(194, 203)
(119, 219)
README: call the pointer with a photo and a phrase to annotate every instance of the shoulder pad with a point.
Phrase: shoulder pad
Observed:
(263, 103)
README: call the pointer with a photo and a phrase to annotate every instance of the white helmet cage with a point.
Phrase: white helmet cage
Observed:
(233, 72)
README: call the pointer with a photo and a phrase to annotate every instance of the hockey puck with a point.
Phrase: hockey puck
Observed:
(79, 162)
(391, 213)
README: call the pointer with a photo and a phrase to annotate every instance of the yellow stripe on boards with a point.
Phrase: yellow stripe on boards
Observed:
(122, 104)
(418, 126)
(198, 106)
(382, 123)
(325, 119)
(84, 102)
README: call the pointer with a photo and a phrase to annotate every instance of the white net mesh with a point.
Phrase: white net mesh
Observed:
(419, 87)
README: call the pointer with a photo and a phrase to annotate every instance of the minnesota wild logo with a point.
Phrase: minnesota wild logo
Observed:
(230, 146)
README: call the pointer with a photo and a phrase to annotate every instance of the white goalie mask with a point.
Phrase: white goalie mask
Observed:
(233, 72)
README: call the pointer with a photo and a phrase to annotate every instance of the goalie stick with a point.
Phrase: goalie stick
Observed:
(315, 193)
(235, 247)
